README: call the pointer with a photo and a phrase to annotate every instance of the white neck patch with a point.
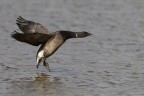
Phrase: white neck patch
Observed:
(76, 35)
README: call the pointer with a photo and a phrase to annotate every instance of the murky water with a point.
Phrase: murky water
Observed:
(109, 63)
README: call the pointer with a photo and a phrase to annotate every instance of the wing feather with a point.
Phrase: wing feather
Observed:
(34, 39)
(27, 26)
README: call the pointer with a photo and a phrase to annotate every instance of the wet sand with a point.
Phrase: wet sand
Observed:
(109, 63)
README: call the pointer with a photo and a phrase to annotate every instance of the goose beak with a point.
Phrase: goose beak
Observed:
(89, 34)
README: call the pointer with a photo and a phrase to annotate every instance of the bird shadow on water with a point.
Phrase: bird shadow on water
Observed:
(41, 84)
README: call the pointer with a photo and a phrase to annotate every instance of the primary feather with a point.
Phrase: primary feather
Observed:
(27, 26)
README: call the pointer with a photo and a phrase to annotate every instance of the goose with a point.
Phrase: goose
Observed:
(35, 34)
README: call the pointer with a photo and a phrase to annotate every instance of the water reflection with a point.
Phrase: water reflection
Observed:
(43, 80)
(41, 85)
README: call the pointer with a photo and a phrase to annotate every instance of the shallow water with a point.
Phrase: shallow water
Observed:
(109, 63)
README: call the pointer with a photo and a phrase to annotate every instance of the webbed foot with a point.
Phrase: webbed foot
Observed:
(46, 65)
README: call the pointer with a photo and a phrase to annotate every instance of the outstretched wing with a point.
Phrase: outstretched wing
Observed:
(34, 39)
(27, 26)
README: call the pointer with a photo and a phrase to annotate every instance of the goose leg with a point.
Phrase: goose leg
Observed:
(46, 65)
(38, 63)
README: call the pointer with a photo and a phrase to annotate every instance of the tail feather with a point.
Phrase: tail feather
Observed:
(39, 58)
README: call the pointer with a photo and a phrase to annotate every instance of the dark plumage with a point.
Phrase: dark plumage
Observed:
(27, 26)
(49, 42)
(34, 39)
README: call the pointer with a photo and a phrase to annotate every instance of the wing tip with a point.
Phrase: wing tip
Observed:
(20, 18)
(14, 33)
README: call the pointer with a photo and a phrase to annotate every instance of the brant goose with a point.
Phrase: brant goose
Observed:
(49, 42)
